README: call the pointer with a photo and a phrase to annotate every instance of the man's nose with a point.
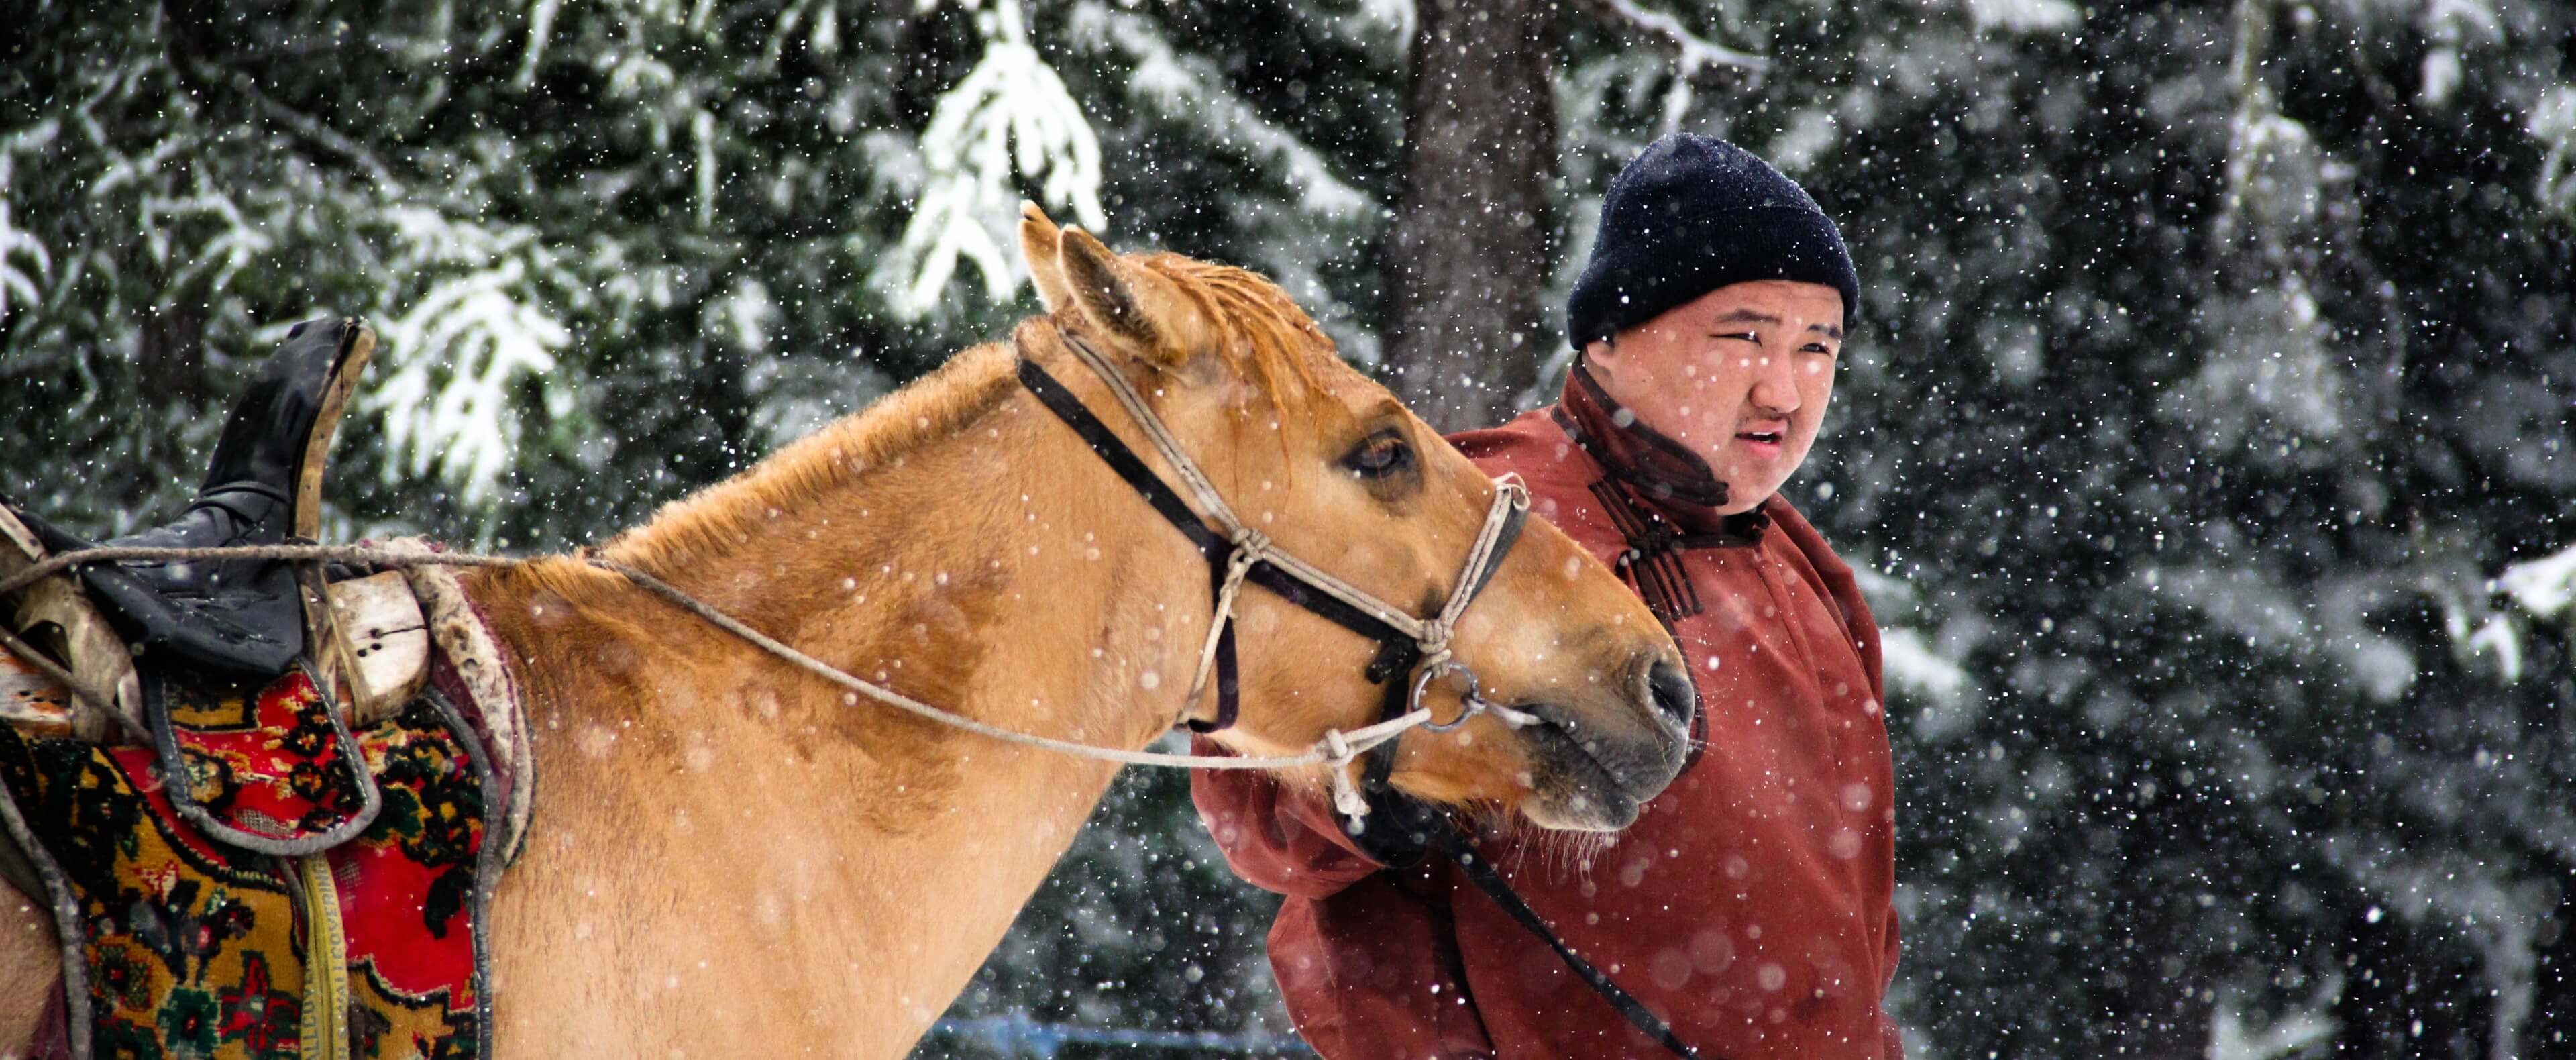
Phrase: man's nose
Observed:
(1775, 383)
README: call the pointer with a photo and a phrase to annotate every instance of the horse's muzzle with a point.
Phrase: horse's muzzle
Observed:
(1593, 775)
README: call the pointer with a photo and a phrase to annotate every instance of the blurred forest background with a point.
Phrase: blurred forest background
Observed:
(2204, 438)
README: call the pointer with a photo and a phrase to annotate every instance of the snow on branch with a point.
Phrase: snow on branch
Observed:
(1696, 53)
(541, 31)
(1187, 88)
(17, 244)
(2544, 586)
(461, 348)
(1010, 117)
(2553, 122)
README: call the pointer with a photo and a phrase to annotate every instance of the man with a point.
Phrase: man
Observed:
(1750, 906)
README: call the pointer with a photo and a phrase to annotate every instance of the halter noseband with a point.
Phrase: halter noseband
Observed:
(1237, 553)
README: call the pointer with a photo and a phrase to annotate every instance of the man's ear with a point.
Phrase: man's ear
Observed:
(1601, 357)
(1141, 311)
(1039, 245)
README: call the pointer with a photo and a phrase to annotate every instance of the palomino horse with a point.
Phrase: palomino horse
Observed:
(731, 859)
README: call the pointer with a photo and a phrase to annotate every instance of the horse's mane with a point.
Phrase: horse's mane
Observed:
(1268, 338)
(717, 519)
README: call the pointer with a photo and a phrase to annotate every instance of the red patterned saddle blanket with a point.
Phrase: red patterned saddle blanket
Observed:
(266, 882)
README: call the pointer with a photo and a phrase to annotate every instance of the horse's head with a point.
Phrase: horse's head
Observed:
(1336, 472)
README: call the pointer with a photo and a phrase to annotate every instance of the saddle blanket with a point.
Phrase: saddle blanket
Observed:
(180, 943)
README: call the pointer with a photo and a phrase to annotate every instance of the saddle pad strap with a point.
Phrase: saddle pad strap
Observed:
(414, 889)
(326, 984)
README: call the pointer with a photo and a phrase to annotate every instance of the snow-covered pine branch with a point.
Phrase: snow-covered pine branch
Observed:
(461, 347)
(1011, 117)
(1303, 215)
(17, 244)
(2553, 122)
(2545, 587)
(1696, 53)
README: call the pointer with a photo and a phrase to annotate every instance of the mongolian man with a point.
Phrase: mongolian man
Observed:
(1747, 913)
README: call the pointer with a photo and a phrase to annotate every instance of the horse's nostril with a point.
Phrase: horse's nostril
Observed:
(1673, 693)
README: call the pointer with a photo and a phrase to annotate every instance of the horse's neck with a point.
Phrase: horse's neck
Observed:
(758, 809)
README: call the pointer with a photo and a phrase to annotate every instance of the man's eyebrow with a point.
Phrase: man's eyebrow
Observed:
(1751, 316)
(1746, 316)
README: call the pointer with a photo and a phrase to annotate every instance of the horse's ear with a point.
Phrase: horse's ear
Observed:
(1039, 241)
(1145, 312)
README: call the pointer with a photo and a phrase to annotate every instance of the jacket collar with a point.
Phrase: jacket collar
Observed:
(1660, 477)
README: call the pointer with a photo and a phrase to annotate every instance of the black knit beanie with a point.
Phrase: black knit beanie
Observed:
(1693, 214)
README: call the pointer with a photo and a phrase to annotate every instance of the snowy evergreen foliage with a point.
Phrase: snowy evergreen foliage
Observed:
(2204, 435)
(1010, 118)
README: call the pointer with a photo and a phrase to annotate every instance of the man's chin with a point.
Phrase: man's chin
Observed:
(1740, 501)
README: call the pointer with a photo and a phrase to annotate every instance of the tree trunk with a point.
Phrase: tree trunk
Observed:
(1467, 258)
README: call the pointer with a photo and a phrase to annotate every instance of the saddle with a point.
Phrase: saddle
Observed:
(194, 629)
(259, 816)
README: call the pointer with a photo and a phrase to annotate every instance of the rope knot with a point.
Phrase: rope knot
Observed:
(1250, 542)
(1434, 641)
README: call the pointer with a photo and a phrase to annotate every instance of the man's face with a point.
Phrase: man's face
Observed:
(1741, 375)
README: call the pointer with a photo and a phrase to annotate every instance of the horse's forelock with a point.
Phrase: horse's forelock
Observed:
(1273, 340)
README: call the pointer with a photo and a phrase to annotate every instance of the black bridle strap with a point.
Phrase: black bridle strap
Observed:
(1491, 882)
(1123, 460)
(1397, 656)
(1114, 451)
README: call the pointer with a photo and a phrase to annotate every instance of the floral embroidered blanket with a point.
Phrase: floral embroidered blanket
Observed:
(303, 891)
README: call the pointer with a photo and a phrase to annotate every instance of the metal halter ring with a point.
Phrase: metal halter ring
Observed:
(1468, 699)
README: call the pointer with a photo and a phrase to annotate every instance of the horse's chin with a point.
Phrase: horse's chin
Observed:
(1581, 813)
(1591, 785)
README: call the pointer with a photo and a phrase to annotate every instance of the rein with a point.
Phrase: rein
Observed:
(1245, 553)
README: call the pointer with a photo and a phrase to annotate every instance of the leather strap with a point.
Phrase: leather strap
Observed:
(1402, 845)
(1123, 460)
(1119, 457)
(1455, 844)
(1105, 444)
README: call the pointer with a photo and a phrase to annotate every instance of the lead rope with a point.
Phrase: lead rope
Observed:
(1336, 749)
(1482, 873)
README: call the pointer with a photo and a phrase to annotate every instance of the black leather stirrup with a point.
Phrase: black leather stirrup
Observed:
(1455, 844)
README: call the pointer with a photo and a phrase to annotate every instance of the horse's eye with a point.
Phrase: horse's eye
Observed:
(1380, 456)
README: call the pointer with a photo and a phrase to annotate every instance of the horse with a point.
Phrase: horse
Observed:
(733, 857)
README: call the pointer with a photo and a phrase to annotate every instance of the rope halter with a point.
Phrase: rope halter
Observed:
(1246, 554)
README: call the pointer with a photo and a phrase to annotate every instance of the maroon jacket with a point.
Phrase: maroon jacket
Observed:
(1750, 906)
